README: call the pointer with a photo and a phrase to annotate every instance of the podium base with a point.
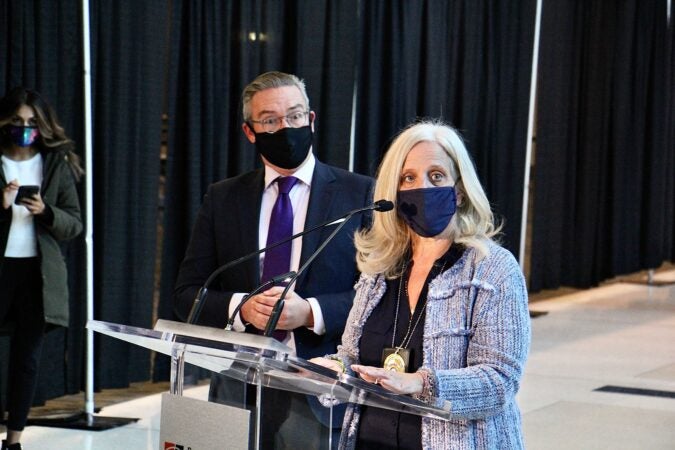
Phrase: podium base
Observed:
(81, 421)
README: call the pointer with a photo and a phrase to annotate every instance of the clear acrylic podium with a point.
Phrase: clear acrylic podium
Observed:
(259, 362)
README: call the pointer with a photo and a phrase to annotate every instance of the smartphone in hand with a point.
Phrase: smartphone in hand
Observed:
(26, 191)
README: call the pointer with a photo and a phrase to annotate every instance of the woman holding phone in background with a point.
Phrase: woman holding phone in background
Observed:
(33, 282)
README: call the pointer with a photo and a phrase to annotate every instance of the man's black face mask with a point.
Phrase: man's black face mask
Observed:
(286, 148)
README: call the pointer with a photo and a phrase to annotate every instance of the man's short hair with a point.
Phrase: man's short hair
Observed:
(270, 80)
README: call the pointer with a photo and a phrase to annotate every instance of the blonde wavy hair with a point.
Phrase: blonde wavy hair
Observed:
(381, 249)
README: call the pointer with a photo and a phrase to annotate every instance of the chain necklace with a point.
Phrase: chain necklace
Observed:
(397, 357)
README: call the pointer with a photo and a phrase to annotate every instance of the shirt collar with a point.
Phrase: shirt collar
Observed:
(304, 172)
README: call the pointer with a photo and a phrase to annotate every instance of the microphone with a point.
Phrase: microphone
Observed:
(380, 206)
(198, 303)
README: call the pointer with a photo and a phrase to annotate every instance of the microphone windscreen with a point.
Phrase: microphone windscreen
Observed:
(384, 205)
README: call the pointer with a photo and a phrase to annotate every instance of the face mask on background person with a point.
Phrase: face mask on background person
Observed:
(286, 148)
(23, 136)
(427, 211)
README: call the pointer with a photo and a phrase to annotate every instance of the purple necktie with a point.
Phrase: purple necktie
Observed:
(278, 260)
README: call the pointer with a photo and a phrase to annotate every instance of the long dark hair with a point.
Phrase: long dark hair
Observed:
(52, 136)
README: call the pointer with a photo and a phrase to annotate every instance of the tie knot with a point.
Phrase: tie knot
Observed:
(286, 184)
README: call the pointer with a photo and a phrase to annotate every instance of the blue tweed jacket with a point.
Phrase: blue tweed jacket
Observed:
(476, 340)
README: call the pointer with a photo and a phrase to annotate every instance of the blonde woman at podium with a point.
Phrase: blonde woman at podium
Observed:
(440, 309)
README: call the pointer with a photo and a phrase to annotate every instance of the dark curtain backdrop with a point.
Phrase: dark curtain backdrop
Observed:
(467, 62)
(128, 67)
(41, 48)
(216, 48)
(603, 198)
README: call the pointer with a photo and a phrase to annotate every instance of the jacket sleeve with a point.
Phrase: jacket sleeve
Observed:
(200, 261)
(496, 351)
(63, 219)
(369, 290)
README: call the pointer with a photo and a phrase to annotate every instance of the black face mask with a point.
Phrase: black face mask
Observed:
(287, 148)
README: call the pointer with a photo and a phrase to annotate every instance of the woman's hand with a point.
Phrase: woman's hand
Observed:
(34, 204)
(397, 382)
(328, 363)
(9, 193)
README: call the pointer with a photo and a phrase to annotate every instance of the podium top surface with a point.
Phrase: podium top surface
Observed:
(255, 359)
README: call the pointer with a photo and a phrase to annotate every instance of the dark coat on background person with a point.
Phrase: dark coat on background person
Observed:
(59, 193)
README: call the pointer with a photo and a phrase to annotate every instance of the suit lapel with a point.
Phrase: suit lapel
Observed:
(248, 219)
(319, 210)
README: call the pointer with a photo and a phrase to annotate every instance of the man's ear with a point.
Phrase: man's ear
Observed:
(250, 134)
(312, 117)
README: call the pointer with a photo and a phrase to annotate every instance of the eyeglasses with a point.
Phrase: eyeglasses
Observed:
(272, 124)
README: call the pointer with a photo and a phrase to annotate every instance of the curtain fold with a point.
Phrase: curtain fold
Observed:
(127, 97)
(603, 189)
(467, 63)
(669, 94)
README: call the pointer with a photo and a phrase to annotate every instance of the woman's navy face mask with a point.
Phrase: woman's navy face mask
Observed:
(427, 211)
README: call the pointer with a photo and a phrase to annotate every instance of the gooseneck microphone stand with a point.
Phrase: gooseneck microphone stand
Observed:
(380, 206)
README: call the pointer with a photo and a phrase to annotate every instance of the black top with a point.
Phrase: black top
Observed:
(383, 428)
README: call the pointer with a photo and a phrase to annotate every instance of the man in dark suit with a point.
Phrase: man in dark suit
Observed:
(238, 217)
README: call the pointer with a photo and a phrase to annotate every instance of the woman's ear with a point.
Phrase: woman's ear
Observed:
(460, 197)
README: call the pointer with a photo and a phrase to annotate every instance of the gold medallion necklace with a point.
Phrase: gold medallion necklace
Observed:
(398, 358)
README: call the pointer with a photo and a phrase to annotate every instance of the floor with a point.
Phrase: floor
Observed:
(621, 335)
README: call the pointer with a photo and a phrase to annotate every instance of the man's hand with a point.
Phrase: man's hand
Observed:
(296, 313)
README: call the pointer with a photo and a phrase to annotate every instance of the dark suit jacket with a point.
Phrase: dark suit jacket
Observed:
(227, 228)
